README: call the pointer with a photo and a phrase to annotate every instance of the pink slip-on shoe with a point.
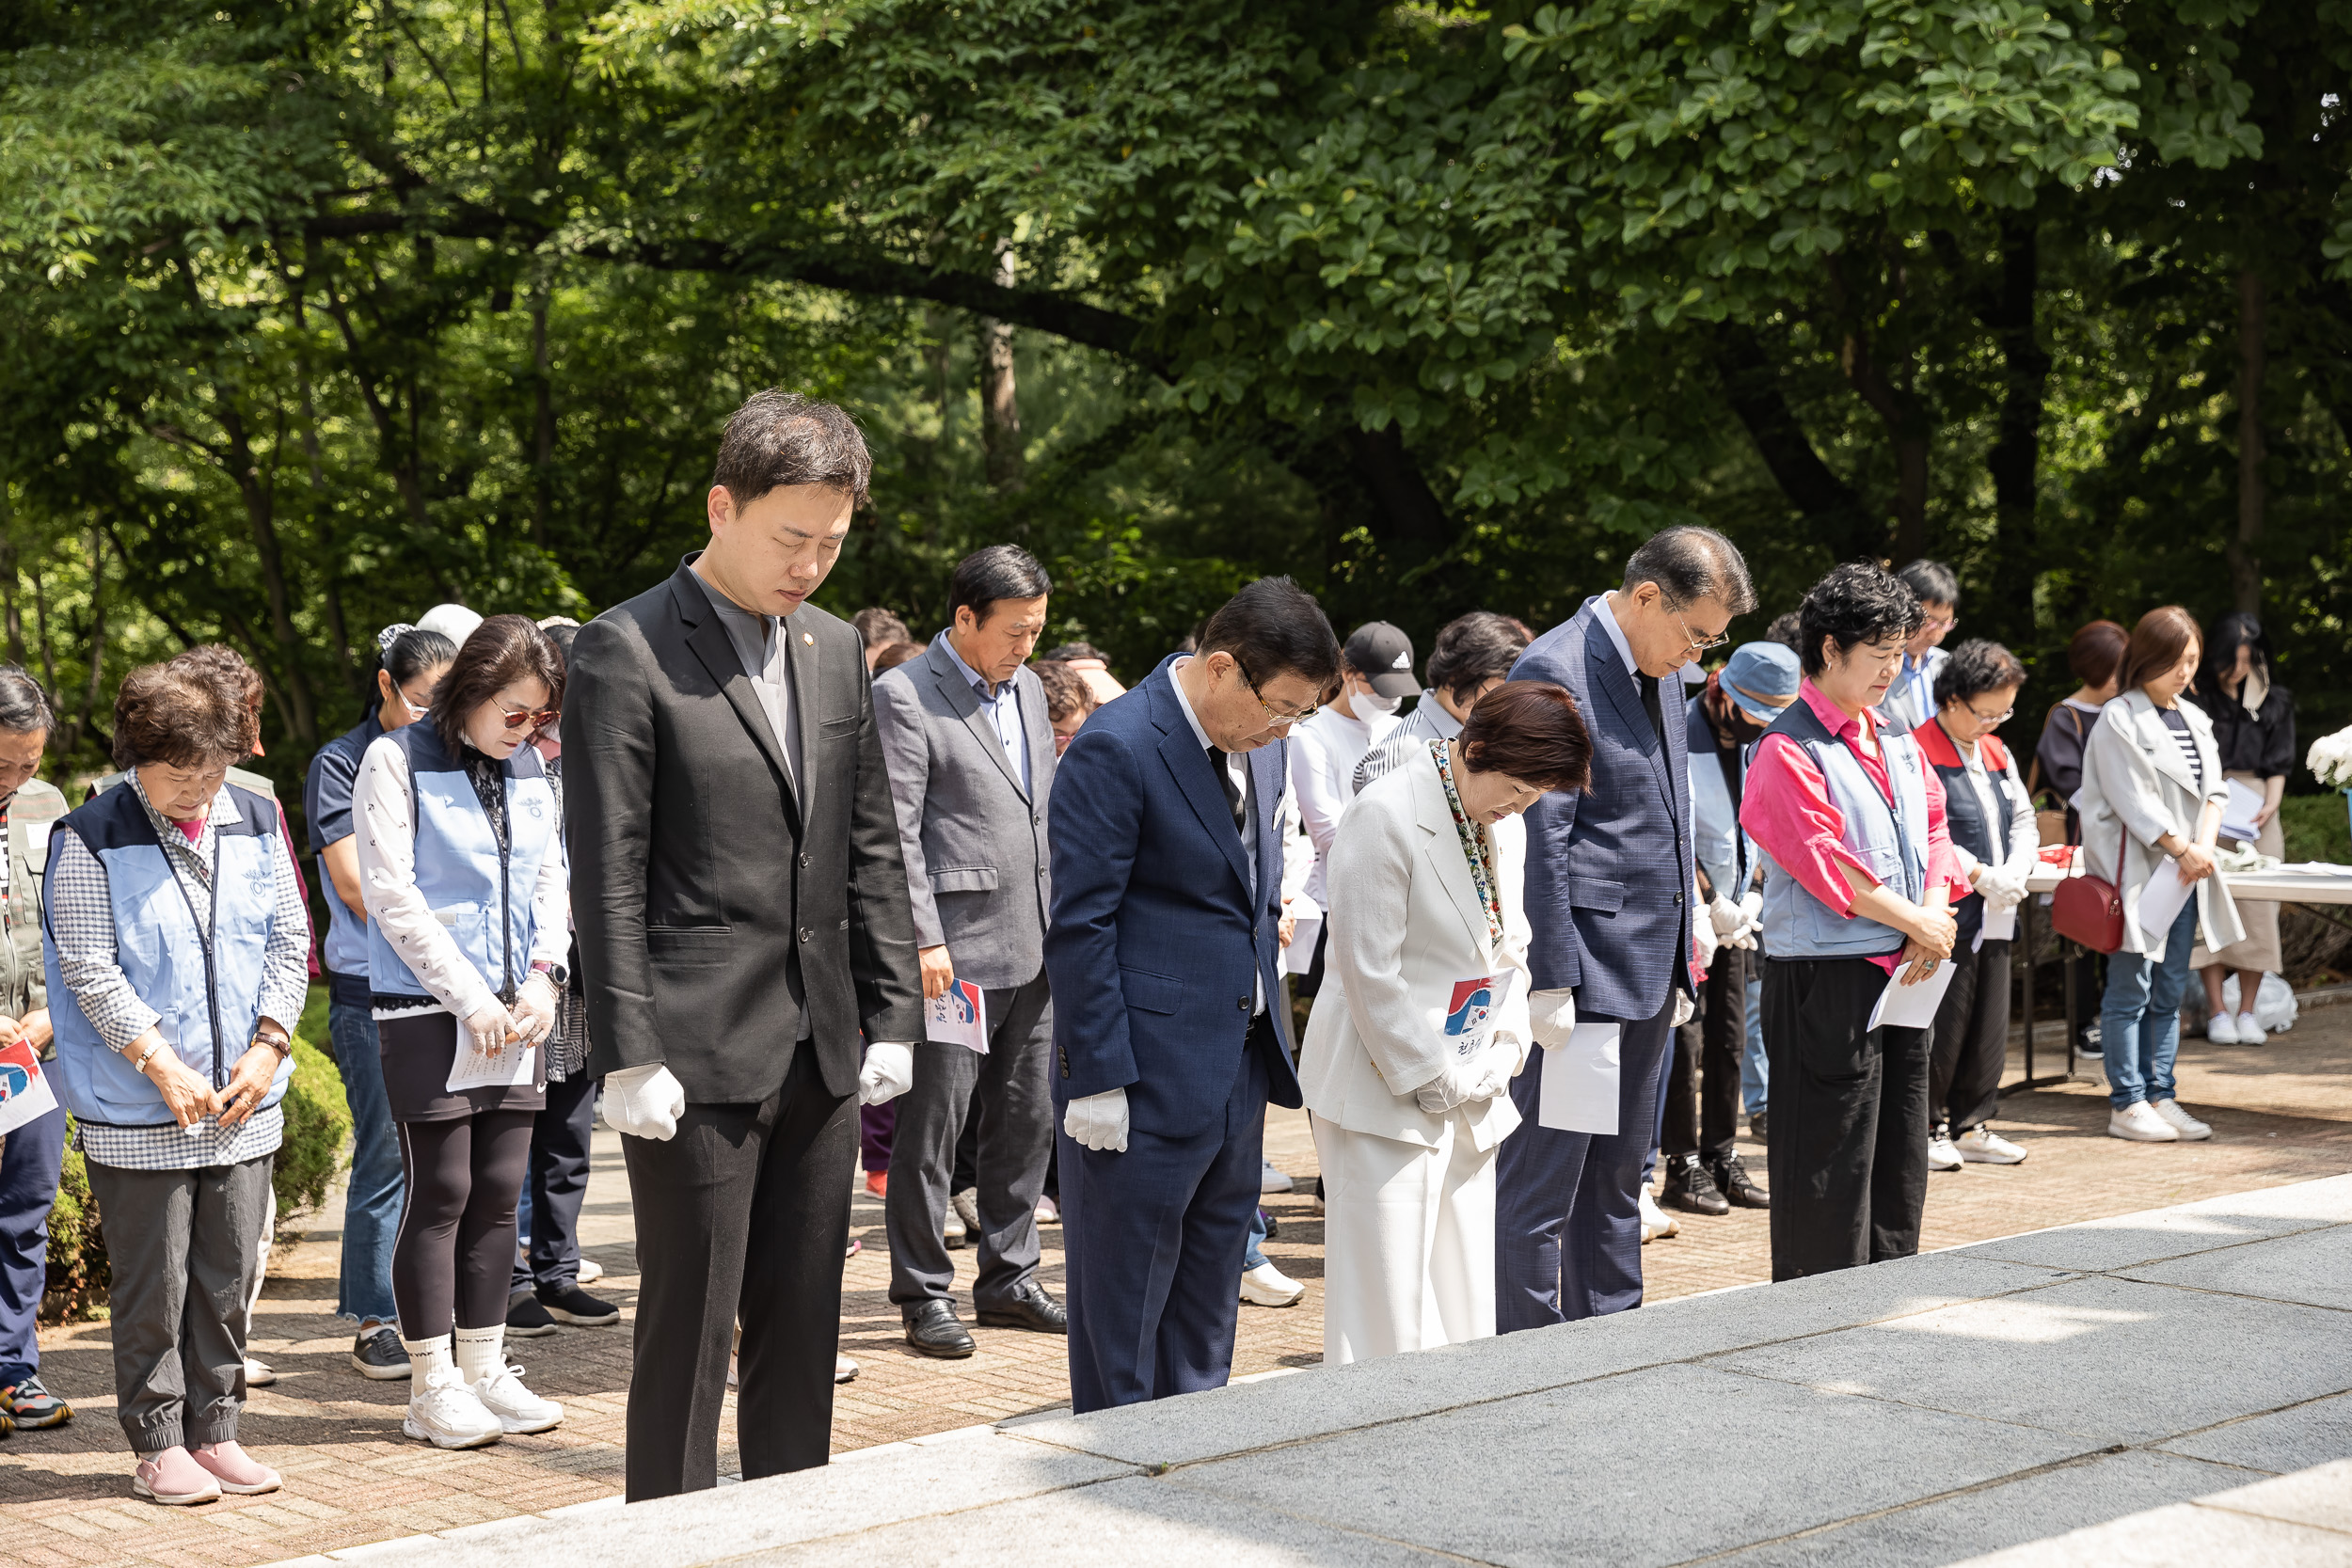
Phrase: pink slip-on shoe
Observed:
(239, 1473)
(174, 1478)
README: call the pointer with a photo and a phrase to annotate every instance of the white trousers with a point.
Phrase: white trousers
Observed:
(1409, 1243)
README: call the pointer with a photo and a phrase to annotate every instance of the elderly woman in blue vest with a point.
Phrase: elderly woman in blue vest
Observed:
(176, 959)
(1858, 880)
(1995, 843)
(2151, 803)
(464, 876)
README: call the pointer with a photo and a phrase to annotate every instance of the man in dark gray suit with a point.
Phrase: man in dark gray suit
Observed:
(742, 918)
(971, 757)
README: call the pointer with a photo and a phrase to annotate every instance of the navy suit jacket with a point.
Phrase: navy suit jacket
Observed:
(1156, 948)
(1609, 872)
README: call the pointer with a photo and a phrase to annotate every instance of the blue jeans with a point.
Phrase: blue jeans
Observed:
(1254, 1256)
(371, 1205)
(29, 1187)
(1756, 1074)
(2139, 1020)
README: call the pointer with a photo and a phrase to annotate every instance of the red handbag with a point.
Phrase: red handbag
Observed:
(2090, 910)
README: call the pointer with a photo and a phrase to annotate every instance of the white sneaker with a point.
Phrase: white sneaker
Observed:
(1268, 1286)
(258, 1374)
(1940, 1154)
(442, 1411)
(515, 1408)
(2249, 1030)
(1272, 1180)
(951, 1228)
(1985, 1146)
(967, 1206)
(2139, 1123)
(1655, 1222)
(2188, 1127)
(590, 1271)
(2221, 1028)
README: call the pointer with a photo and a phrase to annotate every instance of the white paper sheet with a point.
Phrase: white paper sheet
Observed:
(479, 1070)
(958, 1016)
(1901, 1006)
(2160, 902)
(1469, 1023)
(2237, 817)
(24, 1092)
(1580, 1086)
(1300, 957)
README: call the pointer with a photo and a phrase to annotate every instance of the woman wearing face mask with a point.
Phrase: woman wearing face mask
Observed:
(464, 878)
(1858, 878)
(2253, 729)
(1377, 674)
(1407, 1058)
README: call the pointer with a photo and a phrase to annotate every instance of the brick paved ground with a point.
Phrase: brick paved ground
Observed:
(2281, 1114)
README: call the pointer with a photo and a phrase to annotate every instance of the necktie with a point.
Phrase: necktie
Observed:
(1220, 760)
(1649, 706)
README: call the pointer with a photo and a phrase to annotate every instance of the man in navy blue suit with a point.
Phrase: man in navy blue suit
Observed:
(1169, 1033)
(1609, 899)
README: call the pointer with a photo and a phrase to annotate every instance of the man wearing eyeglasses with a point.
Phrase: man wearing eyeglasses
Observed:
(1169, 1038)
(1911, 701)
(1611, 884)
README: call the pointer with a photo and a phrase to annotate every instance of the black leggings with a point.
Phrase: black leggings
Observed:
(453, 1259)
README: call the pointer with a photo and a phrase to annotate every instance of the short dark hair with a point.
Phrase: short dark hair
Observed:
(878, 628)
(1977, 666)
(1069, 651)
(992, 573)
(1473, 649)
(2095, 650)
(24, 705)
(1530, 731)
(895, 654)
(501, 650)
(562, 637)
(1689, 563)
(227, 663)
(2159, 641)
(183, 716)
(1274, 628)
(780, 438)
(1857, 602)
(2238, 628)
(1065, 690)
(1931, 581)
(1786, 631)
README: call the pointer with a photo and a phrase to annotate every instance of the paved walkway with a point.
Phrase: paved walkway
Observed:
(2282, 1114)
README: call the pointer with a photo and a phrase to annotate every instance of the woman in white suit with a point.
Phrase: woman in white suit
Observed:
(1407, 1055)
(2151, 801)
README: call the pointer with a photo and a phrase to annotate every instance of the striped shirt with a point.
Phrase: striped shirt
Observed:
(2177, 722)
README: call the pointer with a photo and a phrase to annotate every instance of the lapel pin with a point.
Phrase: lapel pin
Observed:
(809, 638)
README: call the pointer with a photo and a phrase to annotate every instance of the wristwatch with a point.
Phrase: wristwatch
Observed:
(554, 972)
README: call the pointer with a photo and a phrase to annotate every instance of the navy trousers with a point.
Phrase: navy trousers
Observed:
(1567, 1218)
(1154, 1239)
(28, 1185)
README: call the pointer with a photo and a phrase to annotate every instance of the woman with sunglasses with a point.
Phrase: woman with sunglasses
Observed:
(1994, 840)
(466, 887)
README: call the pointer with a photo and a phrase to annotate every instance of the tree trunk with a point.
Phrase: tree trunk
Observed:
(2245, 576)
(7, 580)
(1898, 409)
(259, 505)
(543, 457)
(80, 725)
(2015, 459)
(1000, 411)
(1752, 386)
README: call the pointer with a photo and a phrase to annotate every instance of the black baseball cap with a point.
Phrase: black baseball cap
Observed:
(1383, 655)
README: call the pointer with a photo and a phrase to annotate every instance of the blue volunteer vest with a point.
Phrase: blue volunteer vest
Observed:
(209, 1003)
(479, 893)
(1891, 841)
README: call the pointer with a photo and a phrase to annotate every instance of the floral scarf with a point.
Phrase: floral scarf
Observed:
(1477, 848)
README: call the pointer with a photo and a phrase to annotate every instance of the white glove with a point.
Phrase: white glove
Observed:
(1099, 1121)
(535, 1008)
(1684, 1008)
(1550, 1016)
(888, 1073)
(2003, 887)
(489, 1028)
(1703, 938)
(1451, 1086)
(1750, 912)
(1727, 917)
(644, 1102)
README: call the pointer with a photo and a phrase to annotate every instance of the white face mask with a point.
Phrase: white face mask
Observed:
(1372, 702)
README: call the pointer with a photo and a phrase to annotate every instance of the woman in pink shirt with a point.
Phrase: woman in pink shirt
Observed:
(1860, 871)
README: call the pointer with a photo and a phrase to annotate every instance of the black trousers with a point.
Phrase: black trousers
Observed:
(1849, 1152)
(1971, 1039)
(1703, 1085)
(558, 1182)
(741, 1214)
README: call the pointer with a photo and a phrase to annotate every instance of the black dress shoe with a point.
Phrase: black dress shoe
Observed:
(1732, 1181)
(1689, 1189)
(525, 1318)
(566, 1303)
(1031, 1309)
(933, 1329)
(1755, 1128)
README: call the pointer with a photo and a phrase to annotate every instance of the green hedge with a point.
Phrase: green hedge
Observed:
(318, 1134)
(2315, 828)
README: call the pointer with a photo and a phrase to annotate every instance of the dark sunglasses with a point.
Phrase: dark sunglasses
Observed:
(534, 719)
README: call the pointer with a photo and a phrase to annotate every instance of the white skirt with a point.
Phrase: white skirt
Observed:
(1408, 1241)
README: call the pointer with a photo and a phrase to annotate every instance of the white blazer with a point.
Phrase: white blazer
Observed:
(1405, 925)
(2137, 787)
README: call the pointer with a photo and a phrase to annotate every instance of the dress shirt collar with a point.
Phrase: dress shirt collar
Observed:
(1443, 724)
(972, 677)
(1833, 718)
(1607, 616)
(1184, 703)
(740, 622)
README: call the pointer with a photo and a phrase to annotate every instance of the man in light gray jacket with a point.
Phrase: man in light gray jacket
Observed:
(971, 757)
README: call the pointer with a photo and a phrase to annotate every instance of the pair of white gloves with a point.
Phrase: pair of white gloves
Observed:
(1553, 1015)
(647, 1101)
(2003, 886)
(1737, 923)
(530, 1021)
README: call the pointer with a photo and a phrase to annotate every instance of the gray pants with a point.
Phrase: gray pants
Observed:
(182, 1244)
(1009, 1090)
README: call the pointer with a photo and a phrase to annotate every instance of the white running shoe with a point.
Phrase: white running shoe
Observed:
(1940, 1154)
(951, 1228)
(2139, 1124)
(2221, 1028)
(2188, 1127)
(1655, 1222)
(1985, 1146)
(442, 1411)
(1270, 1179)
(515, 1408)
(1268, 1286)
(2249, 1030)
(590, 1271)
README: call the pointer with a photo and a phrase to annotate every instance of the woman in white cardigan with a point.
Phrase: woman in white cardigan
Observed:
(1407, 1055)
(2151, 795)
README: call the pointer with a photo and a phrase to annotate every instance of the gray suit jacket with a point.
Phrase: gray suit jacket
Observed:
(978, 873)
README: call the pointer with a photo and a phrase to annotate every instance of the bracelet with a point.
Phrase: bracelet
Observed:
(146, 1056)
(282, 1044)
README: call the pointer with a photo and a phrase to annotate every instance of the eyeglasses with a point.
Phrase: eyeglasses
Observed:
(1992, 720)
(533, 718)
(1939, 623)
(1271, 711)
(1697, 645)
(415, 705)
